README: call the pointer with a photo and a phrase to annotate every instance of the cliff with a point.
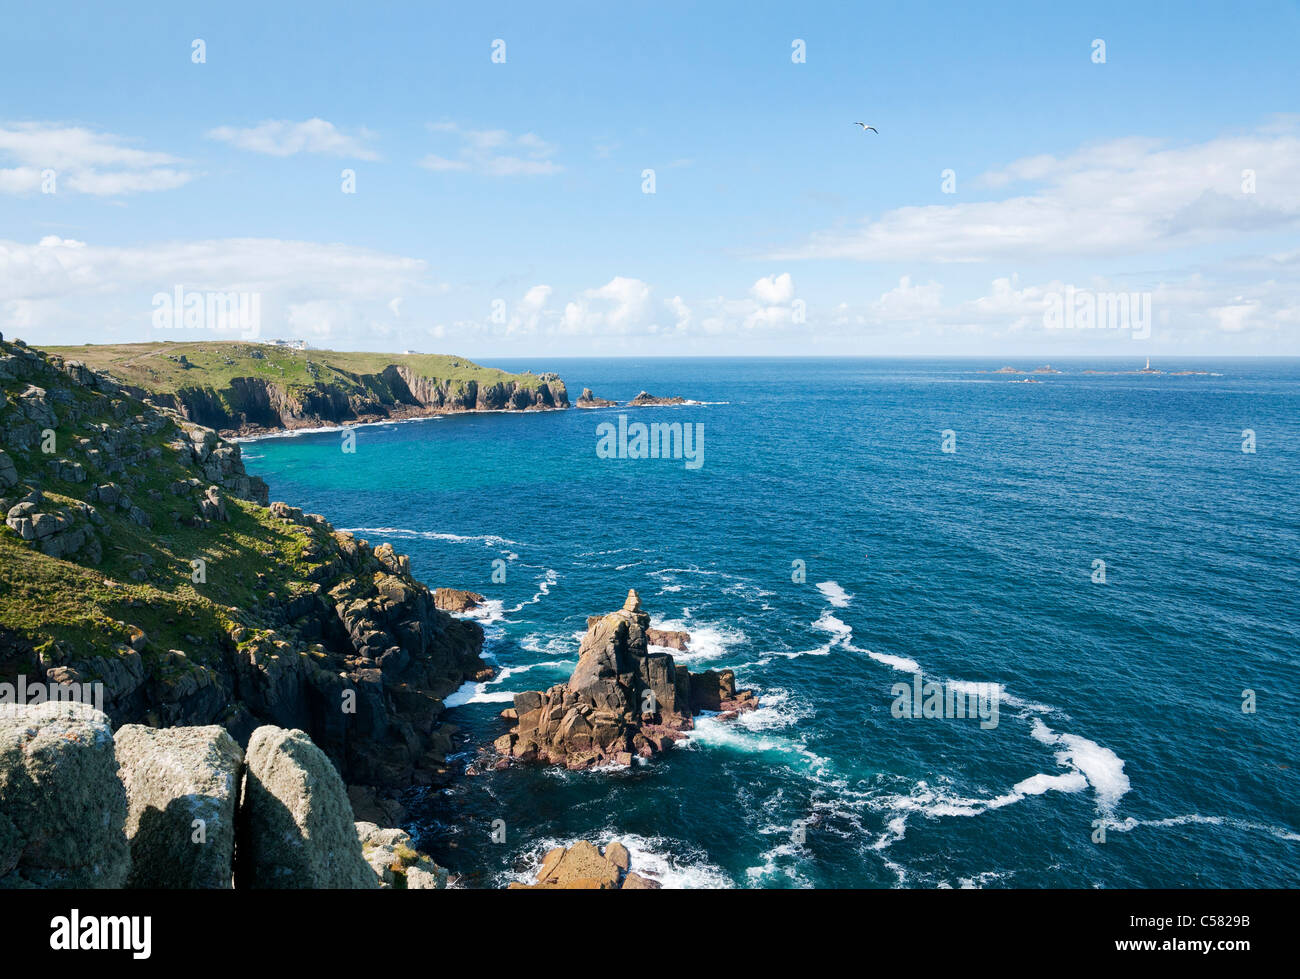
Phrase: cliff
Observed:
(247, 388)
(139, 557)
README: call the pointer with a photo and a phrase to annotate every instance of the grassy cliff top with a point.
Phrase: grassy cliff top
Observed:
(158, 366)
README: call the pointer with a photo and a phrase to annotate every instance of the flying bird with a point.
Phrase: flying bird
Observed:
(865, 127)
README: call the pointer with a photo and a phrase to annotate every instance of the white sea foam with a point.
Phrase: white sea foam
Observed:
(710, 732)
(675, 865)
(544, 584)
(509, 671)
(780, 861)
(488, 540)
(708, 641)
(318, 429)
(836, 595)
(1103, 769)
(1196, 819)
(471, 692)
(490, 611)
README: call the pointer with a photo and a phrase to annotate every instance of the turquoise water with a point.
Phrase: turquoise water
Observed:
(1121, 702)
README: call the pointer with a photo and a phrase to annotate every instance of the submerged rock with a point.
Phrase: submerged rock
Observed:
(182, 789)
(62, 807)
(295, 826)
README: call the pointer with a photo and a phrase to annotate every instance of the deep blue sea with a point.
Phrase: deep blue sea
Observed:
(1120, 703)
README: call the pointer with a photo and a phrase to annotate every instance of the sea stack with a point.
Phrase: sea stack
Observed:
(622, 700)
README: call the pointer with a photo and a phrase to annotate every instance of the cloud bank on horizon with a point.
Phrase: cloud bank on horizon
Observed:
(525, 206)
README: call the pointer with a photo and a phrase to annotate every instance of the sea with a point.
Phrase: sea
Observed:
(1102, 567)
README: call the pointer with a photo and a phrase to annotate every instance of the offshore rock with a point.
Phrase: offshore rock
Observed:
(584, 867)
(622, 700)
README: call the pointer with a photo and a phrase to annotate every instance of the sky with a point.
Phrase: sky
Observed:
(1046, 180)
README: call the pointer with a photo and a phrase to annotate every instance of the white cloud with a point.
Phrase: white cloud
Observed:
(616, 307)
(77, 291)
(279, 137)
(1123, 197)
(774, 289)
(83, 162)
(493, 152)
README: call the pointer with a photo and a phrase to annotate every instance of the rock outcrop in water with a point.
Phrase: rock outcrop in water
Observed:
(589, 400)
(584, 867)
(621, 700)
(668, 638)
(647, 400)
(456, 601)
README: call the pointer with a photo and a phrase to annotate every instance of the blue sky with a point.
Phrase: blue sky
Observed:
(499, 207)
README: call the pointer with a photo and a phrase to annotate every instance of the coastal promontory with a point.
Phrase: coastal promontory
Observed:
(245, 388)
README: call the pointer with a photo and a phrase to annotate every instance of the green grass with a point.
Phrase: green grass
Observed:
(90, 609)
(215, 364)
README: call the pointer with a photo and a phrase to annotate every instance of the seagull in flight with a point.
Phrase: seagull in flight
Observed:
(865, 127)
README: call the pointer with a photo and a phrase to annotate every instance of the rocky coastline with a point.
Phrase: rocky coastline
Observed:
(260, 674)
(139, 556)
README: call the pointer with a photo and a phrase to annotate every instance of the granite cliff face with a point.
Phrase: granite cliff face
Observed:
(138, 556)
(621, 700)
(247, 388)
(251, 405)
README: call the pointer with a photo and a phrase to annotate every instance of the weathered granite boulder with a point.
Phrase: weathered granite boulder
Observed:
(622, 700)
(182, 790)
(455, 600)
(395, 862)
(584, 867)
(295, 827)
(62, 807)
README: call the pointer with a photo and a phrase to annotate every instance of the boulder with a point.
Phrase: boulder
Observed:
(395, 862)
(455, 600)
(668, 638)
(62, 807)
(583, 866)
(182, 791)
(295, 827)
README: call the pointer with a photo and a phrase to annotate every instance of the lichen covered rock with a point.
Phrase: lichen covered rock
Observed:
(182, 789)
(62, 807)
(295, 826)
